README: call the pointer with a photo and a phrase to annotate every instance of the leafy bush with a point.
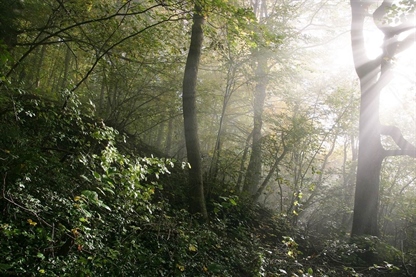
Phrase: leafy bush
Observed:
(69, 197)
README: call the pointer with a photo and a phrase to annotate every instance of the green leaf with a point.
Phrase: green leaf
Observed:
(97, 175)
(5, 266)
(192, 248)
(101, 204)
(90, 195)
(233, 202)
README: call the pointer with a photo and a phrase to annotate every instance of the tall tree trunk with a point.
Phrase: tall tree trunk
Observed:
(160, 134)
(370, 158)
(253, 174)
(67, 64)
(348, 175)
(168, 143)
(39, 61)
(196, 193)
(374, 75)
(370, 151)
(242, 162)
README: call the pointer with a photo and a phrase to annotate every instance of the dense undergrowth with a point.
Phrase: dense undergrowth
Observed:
(73, 204)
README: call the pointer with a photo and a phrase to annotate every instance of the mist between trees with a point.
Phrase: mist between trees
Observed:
(207, 138)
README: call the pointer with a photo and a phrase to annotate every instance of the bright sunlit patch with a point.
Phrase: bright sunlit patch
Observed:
(399, 97)
(373, 42)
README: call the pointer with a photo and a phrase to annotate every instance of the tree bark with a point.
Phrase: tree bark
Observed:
(374, 75)
(242, 162)
(348, 175)
(370, 151)
(196, 192)
(67, 64)
(168, 143)
(253, 174)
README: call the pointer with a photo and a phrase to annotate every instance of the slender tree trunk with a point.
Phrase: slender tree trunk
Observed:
(253, 174)
(213, 171)
(67, 63)
(348, 175)
(243, 161)
(168, 143)
(266, 180)
(160, 135)
(319, 180)
(196, 193)
(102, 105)
(39, 62)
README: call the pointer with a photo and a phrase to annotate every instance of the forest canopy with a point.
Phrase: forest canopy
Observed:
(207, 138)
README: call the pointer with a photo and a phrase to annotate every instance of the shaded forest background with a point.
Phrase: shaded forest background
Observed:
(93, 160)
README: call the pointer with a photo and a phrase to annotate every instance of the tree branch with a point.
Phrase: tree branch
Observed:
(104, 52)
(42, 41)
(407, 42)
(380, 17)
(272, 170)
(363, 64)
(406, 148)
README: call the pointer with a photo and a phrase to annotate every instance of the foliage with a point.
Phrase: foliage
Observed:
(67, 190)
(73, 204)
(89, 90)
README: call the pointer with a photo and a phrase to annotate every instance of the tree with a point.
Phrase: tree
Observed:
(271, 33)
(8, 22)
(253, 174)
(196, 193)
(374, 76)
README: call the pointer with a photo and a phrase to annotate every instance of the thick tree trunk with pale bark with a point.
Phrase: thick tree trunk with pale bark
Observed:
(196, 192)
(374, 75)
